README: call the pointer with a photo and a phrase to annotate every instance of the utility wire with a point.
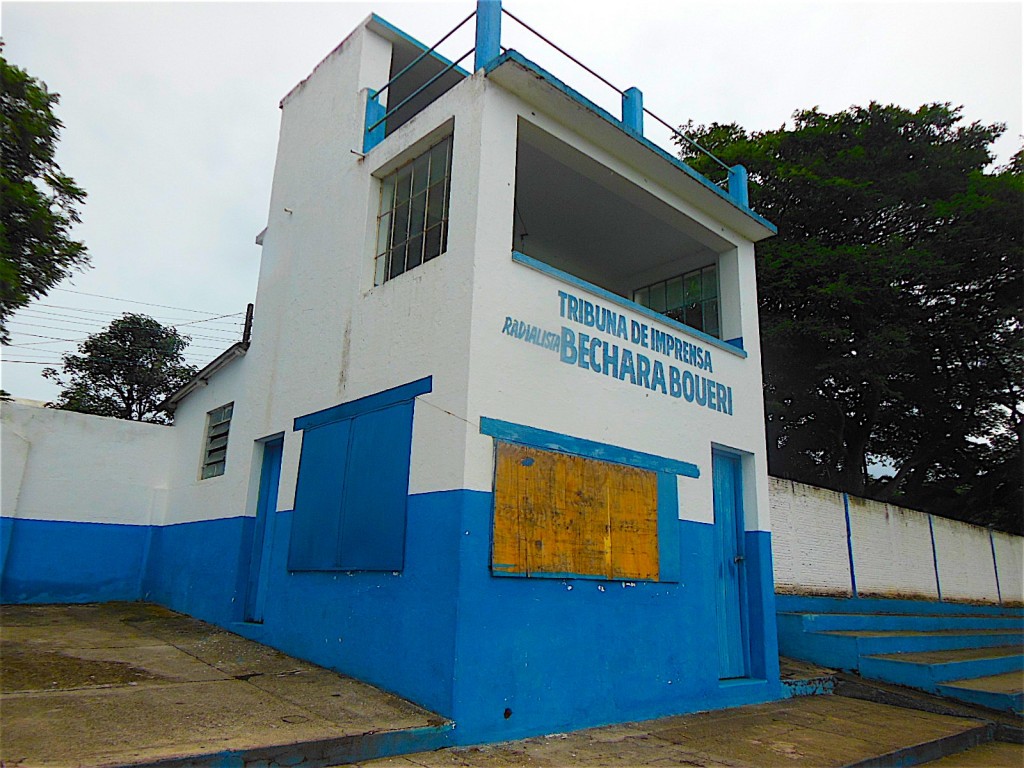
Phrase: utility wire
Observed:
(134, 301)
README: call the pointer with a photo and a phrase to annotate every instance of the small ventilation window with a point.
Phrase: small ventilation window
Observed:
(218, 423)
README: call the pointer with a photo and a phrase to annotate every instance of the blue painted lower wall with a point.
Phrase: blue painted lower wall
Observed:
(48, 561)
(503, 657)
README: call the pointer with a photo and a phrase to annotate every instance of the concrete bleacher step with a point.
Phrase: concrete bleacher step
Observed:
(971, 653)
(852, 622)
(1004, 692)
(928, 669)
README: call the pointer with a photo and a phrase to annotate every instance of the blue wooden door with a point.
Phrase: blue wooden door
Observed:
(263, 530)
(729, 565)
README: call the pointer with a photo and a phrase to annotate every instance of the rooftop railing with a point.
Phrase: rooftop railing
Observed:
(488, 48)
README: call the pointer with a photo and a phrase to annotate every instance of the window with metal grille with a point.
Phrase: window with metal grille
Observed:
(691, 298)
(412, 224)
(218, 423)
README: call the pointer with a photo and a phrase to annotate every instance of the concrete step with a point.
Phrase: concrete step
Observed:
(994, 754)
(799, 678)
(926, 670)
(825, 622)
(1003, 692)
(809, 731)
(820, 604)
(843, 649)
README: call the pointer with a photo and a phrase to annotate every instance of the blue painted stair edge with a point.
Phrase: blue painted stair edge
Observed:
(825, 622)
(1005, 702)
(929, 677)
(845, 652)
(822, 604)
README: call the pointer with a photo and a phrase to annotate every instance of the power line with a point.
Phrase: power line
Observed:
(135, 301)
(108, 313)
(34, 312)
(58, 328)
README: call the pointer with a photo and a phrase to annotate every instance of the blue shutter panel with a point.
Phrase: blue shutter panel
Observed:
(376, 490)
(316, 522)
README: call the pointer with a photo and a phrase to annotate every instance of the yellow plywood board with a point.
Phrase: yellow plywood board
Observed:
(561, 514)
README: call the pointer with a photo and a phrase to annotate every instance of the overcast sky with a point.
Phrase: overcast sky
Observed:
(171, 116)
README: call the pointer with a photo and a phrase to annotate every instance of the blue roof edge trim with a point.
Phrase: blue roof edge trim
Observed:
(565, 277)
(410, 39)
(515, 56)
(374, 402)
(578, 446)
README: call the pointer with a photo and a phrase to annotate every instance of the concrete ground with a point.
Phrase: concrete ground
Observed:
(132, 683)
(813, 731)
(123, 684)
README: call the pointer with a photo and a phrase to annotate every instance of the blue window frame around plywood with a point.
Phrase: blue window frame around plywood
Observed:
(353, 484)
(667, 469)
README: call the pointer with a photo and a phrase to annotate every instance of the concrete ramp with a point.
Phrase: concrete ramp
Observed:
(133, 684)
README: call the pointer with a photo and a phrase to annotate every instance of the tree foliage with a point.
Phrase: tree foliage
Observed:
(125, 371)
(38, 202)
(890, 304)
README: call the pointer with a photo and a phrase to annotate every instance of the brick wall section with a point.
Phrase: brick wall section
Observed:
(963, 554)
(892, 551)
(1010, 565)
(809, 548)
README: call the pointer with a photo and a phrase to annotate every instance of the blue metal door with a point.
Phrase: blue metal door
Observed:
(729, 565)
(263, 530)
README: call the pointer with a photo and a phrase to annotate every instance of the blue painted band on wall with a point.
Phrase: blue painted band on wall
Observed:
(556, 441)
(737, 342)
(374, 402)
(668, 527)
(640, 309)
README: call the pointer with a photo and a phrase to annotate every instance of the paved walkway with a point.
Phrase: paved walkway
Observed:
(129, 683)
(134, 684)
(816, 731)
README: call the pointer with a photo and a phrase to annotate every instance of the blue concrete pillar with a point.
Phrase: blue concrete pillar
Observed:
(374, 114)
(738, 185)
(633, 110)
(488, 32)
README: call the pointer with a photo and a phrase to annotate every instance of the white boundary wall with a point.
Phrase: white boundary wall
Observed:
(892, 551)
(896, 552)
(60, 465)
(1009, 551)
(809, 548)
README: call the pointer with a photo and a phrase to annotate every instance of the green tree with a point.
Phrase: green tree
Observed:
(890, 304)
(38, 203)
(125, 371)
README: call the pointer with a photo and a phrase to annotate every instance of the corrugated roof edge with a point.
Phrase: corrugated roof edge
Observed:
(517, 58)
(236, 350)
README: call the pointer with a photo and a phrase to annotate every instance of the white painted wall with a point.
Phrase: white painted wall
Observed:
(1010, 566)
(525, 384)
(60, 465)
(963, 557)
(892, 550)
(809, 546)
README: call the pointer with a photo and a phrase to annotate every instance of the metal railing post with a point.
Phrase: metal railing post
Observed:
(374, 133)
(633, 110)
(488, 32)
(738, 185)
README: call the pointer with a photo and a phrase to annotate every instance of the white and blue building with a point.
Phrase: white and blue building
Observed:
(496, 443)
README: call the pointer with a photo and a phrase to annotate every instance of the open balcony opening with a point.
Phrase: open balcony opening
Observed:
(577, 215)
